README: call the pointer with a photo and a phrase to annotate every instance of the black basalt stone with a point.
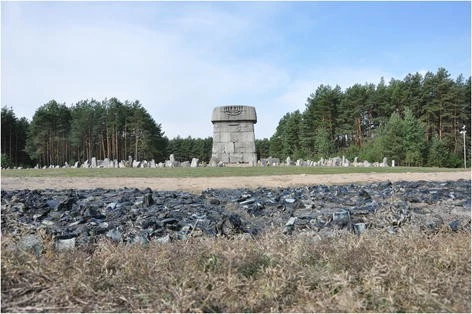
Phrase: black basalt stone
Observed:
(142, 216)
(365, 195)
(214, 201)
(148, 200)
(93, 212)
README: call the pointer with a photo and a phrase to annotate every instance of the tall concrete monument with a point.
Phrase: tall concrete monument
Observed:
(233, 134)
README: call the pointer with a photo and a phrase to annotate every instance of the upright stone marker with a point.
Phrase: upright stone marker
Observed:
(233, 134)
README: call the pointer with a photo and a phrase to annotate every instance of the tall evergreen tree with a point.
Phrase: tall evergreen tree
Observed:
(438, 154)
(413, 97)
(262, 148)
(414, 140)
(324, 145)
(49, 131)
(321, 111)
(286, 140)
(13, 139)
(392, 138)
(356, 114)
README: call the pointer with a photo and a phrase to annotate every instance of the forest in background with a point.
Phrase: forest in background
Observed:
(414, 121)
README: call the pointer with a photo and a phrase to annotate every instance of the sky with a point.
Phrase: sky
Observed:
(182, 59)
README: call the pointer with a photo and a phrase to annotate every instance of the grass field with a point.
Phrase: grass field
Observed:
(376, 272)
(208, 171)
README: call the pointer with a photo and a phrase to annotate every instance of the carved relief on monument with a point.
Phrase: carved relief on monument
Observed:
(232, 110)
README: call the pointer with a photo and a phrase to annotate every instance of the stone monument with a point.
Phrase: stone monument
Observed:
(233, 134)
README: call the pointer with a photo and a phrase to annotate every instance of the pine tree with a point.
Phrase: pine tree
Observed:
(324, 145)
(414, 140)
(392, 138)
(321, 111)
(48, 134)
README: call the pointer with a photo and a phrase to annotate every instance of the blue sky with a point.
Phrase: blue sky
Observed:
(181, 59)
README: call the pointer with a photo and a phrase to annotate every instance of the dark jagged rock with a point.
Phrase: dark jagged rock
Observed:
(140, 216)
(148, 200)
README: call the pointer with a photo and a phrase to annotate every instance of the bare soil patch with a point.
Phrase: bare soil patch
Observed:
(196, 185)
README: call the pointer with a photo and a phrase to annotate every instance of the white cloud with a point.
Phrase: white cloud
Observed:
(179, 72)
(177, 86)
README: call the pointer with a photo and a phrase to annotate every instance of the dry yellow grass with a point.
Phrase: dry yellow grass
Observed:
(407, 272)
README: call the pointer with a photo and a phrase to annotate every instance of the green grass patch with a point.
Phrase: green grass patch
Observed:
(207, 172)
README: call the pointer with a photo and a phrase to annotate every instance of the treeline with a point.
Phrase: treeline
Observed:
(14, 135)
(184, 149)
(58, 134)
(106, 129)
(414, 121)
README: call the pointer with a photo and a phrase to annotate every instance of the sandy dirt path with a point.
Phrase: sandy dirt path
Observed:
(196, 185)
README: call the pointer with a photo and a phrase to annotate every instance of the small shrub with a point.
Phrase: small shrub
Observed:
(253, 264)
